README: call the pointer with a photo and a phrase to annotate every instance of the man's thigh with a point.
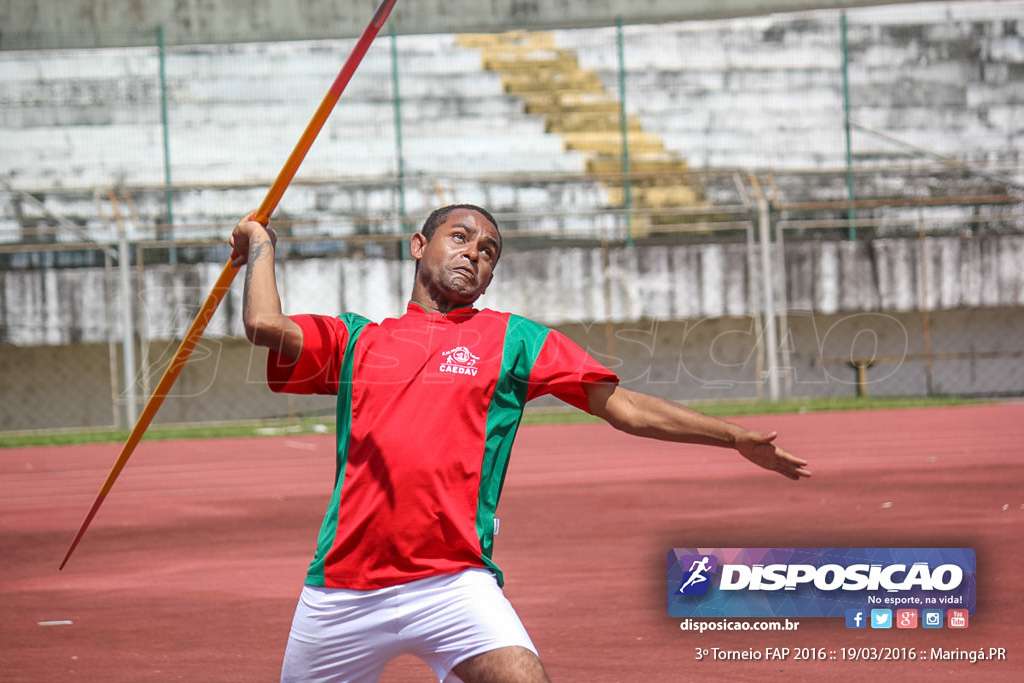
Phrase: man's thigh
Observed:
(504, 665)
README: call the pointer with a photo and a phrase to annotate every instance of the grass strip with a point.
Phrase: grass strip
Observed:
(325, 424)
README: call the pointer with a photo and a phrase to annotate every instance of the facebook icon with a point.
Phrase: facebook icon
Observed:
(856, 618)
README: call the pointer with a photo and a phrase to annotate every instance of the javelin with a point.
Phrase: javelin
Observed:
(223, 282)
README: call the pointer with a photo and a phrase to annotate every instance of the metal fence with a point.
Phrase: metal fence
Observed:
(783, 305)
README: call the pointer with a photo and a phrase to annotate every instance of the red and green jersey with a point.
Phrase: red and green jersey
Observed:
(428, 407)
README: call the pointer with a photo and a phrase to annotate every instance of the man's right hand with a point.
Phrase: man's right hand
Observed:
(252, 246)
(241, 237)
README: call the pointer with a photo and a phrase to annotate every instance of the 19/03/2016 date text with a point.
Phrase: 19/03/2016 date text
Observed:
(850, 654)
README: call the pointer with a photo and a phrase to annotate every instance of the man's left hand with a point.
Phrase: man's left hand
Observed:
(758, 448)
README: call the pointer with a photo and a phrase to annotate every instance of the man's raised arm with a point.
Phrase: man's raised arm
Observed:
(645, 415)
(265, 325)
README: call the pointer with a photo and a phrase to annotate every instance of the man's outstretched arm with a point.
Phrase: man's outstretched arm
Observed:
(265, 325)
(645, 415)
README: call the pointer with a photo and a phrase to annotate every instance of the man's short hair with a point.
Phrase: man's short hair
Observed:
(439, 215)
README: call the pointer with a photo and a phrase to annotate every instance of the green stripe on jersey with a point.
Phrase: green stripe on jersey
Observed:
(523, 341)
(328, 530)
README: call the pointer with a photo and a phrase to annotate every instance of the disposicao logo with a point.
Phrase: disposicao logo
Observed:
(819, 582)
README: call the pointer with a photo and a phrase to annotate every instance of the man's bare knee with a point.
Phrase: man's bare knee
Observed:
(504, 665)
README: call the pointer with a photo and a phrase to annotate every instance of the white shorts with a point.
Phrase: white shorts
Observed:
(349, 636)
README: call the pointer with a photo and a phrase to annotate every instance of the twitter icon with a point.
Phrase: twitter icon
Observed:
(881, 618)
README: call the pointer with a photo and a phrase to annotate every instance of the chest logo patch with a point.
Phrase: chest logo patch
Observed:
(460, 361)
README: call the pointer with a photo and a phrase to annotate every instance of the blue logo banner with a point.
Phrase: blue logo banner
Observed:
(818, 582)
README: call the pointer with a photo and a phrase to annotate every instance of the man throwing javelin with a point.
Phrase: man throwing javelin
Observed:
(428, 407)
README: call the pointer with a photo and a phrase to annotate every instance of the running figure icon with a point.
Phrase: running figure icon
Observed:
(697, 571)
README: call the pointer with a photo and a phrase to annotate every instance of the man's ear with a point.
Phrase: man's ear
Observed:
(416, 245)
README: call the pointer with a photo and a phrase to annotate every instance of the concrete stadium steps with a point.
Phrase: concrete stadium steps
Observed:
(755, 93)
(767, 91)
(330, 208)
(699, 85)
(579, 106)
(73, 121)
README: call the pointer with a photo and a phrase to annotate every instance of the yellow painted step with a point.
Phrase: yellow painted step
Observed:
(611, 142)
(562, 102)
(653, 197)
(537, 40)
(576, 106)
(608, 165)
(603, 121)
(551, 79)
(530, 59)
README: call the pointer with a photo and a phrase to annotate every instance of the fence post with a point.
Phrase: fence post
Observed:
(752, 301)
(172, 253)
(786, 366)
(127, 336)
(624, 130)
(399, 152)
(926, 327)
(851, 213)
(115, 384)
(767, 290)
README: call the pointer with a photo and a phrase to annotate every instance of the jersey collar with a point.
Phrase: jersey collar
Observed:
(459, 313)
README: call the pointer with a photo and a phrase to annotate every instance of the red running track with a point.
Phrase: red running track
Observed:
(190, 570)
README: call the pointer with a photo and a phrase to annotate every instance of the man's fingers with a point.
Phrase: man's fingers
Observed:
(794, 469)
(759, 449)
(791, 458)
(239, 239)
(789, 465)
(798, 472)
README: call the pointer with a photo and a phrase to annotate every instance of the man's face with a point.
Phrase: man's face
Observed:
(457, 263)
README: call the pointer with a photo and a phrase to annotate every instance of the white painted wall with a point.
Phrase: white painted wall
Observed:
(556, 286)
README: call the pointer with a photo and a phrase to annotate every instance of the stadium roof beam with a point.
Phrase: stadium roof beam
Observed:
(47, 24)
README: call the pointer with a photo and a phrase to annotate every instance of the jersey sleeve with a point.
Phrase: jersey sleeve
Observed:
(563, 369)
(317, 369)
